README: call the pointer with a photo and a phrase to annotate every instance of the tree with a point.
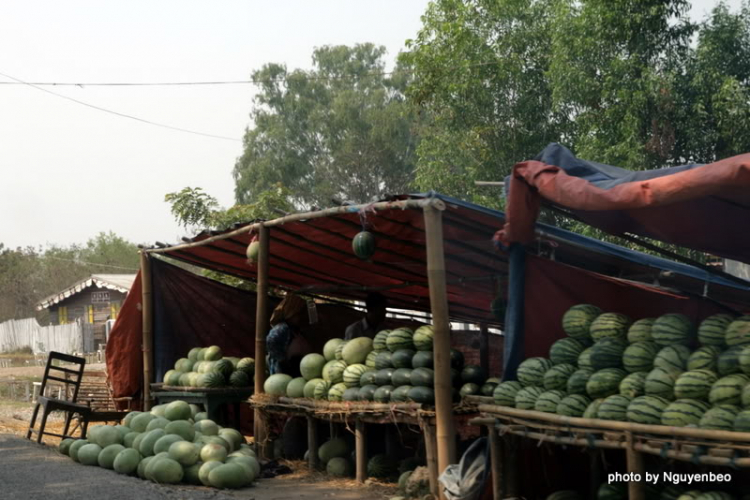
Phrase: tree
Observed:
(341, 130)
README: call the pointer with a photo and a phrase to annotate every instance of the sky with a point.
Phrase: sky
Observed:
(68, 172)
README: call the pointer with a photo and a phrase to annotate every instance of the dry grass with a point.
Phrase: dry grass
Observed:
(302, 473)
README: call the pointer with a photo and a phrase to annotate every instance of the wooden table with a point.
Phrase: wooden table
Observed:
(214, 400)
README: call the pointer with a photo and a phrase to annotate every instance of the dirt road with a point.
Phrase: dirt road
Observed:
(32, 472)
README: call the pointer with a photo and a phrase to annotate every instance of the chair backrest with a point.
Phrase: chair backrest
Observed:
(70, 376)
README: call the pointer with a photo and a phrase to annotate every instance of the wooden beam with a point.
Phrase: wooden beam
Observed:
(360, 433)
(430, 449)
(147, 313)
(261, 329)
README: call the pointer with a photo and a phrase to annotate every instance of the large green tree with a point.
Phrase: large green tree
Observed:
(341, 130)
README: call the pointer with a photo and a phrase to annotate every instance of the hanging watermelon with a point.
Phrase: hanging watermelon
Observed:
(363, 245)
(252, 251)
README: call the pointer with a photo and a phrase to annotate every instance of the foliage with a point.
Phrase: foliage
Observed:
(341, 130)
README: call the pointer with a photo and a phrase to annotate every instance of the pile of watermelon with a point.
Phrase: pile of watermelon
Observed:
(395, 366)
(619, 491)
(173, 443)
(660, 371)
(207, 367)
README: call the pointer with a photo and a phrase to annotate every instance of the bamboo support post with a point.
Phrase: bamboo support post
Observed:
(261, 328)
(445, 432)
(361, 451)
(312, 443)
(634, 458)
(511, 460)
(496, 462)
(430, 448)
(147, 329)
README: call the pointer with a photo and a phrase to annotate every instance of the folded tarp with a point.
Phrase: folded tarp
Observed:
(704, 207)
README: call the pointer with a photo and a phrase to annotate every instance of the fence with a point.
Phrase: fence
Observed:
(69, 339)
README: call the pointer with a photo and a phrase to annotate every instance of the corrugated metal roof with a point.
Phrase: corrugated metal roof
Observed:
(118, 282)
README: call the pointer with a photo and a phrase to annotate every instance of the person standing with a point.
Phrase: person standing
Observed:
(373, 321)
(286, 343)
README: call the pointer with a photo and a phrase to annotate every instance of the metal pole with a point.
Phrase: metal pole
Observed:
(147, 329)
(445, 432)
(513, 348)
(261, 329)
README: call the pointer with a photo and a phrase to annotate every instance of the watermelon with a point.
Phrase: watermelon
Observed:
(705, 358)
(614, 491)
(336, 392)
(295, 388)
(646, 410)
(356, 350)
(367, 378)
(378, 343)
(584, 360)
(729, 361)
(474, 374)
(401, 376)
(469, 389)
(370, 360)
(719, 418)
(457, 360)
(728, 390)
(711, 331)
(605, 382)
(339, 467)
(577, 382)
(639, 356)
(526, 397)
(745, 398)
(640, 331)
(400, 338)
(565, 351)
(608, 353)
(383, 393)
(660, 382)
(614, 408)
(715, 495)
(339, 354)
(311, 366)
(422, 359)
(384, 376)
(402, 358)
(321, 390)
(573, 405)
(738, 332)
(423, 377)
(423, 338)
(613, 325)
(593, 408)
(381, 467)
(576, 322)
(223, 366)
(335, 372)
(742, 421)
(424, 395)
(694, 384)
(213, 353)
(505, 393)
(88, 454)
(276, 384)
(548, 401)
(353, 374)
(684, 412)
(330, 347)
(383, 360)
(744, 360)
(211, 379)
(556, 378)
(363, 245)
(108, 454)
(531, 371)
(126, 462)
(671, 329)
(487, 389)
(672, 357)
(401, 394)
(633, 385)
(367, 392)
(351, 394)
(309, 389)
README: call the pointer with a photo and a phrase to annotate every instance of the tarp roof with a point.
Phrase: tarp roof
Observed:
(315, 255)
(118, 282)
(703, 207)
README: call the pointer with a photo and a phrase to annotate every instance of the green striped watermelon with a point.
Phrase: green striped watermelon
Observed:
(335, 372)
(383, 360)
(505, 393)
(402, 358)
(367, 392)
(383, 393)
(640, 331)
(720, 418)
(744, 360)
(556, 378)
(690, 495)
(738, 332)
(336, 392)
(745, 398)
(614, 408)
(671, 329)
(321, 390)
(363, 245)
(639, 356)
(633, 385)
(713, 329)
(353, 374)
(584, 360)
(565, 350)
(728, 390)
(672, 492)
(646, 410)
(704, 358)
(577, 381)
(531, 371)
(576, 322)
(729, 361)
(422, 359)
(660, 382)
(695, 384)
(400, 394)
(339, 353)
(378, 342)
(367, 378)
(402, 376)
(605, 382)
(684, 412)
(614, 491)
(613, 325)
(742, 421)
(384, 376)
(423, 395)
(423, 338)
(548, 401)
(526, 397)
(423, 377)
(672, 357)
(400, 338)
(715, 495)
(573, 405)
(351, 394)
(607, 353)
(593, 408)
(370, 360)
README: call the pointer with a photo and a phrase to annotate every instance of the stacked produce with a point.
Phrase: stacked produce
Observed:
(395, 366)
(207, 367)
(652, 371)
(172, 443)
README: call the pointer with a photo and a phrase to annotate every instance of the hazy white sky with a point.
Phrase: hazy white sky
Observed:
(68, 172)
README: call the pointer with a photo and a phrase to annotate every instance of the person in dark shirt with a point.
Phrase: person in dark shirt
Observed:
(373, 321)
(286, 343)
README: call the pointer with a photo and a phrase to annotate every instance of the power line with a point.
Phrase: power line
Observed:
(117, 113)
(83, 262)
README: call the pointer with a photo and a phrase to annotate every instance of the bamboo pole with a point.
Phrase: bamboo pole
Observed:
(261, 329)
(689, 457)
(312, 443)
(445, 432)
(496, 463)
(361, 451)
(634, 459)
(430, 451)
(147, 328)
